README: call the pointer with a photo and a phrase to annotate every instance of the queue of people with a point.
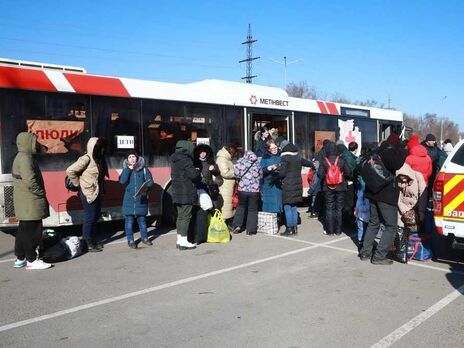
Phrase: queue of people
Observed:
(270, 183)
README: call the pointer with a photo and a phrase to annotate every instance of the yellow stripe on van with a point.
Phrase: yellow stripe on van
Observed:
(455, 180)
(456, 202)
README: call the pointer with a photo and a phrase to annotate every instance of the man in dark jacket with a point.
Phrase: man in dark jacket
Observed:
(384, 205)
(350, 159)
(184, 178)
(334, 196)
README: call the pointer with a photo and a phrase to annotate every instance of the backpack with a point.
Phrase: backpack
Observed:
(375, 174)
(334, 175)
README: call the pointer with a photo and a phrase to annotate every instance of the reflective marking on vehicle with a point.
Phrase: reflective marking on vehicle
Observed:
(455, 180)
(451, 206)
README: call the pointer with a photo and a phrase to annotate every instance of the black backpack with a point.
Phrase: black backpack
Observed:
(375, 174)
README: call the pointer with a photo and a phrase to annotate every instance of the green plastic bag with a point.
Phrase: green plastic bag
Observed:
(218, 232)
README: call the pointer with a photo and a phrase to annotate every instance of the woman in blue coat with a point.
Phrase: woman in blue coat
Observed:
(135, 204)
(271, 192)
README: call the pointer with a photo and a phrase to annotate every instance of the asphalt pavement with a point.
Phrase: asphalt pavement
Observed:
(310, 290)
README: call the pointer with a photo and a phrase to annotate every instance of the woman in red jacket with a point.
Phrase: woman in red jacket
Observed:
(418, 159)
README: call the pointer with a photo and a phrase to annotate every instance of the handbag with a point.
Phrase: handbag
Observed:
(267, 223)
(218, 232)
(401, 245)
(235, 196)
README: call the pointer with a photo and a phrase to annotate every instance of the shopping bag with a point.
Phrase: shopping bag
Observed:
(218, 232)
(267, 223)
(420, 246)
(204, 199)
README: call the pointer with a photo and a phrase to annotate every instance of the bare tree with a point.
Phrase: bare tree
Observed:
(302, 90)
(432, 124)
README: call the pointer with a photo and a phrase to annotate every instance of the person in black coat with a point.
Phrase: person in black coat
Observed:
(184, 177)
(292, 185)
(333, 196)
(384, 205)
(203, 160)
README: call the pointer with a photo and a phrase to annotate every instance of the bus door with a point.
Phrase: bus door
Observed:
(282, 121)
(386, 128)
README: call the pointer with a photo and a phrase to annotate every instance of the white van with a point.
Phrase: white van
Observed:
(448, 198)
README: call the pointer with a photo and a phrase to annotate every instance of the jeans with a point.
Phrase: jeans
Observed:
(361, 229)
(129, 227)
(389, 215)
(184, 215)
(92, 214)
(27, 241)
(333, 211)
(247, 207)
(291, 215)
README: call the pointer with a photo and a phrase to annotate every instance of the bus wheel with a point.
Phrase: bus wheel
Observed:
(169, 214)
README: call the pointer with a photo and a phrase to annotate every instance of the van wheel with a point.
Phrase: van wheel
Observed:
(441, 247)
(169, 214)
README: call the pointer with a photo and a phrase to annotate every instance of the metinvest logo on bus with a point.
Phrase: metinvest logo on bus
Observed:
(268, 101)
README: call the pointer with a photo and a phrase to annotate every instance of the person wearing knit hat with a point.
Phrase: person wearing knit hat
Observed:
(418, 159)
(138, 181)
(430, 137)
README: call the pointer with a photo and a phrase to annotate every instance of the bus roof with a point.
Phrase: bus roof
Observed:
(41, 78)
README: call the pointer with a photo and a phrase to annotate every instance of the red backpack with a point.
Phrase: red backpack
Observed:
(310, 175)
(334, 175)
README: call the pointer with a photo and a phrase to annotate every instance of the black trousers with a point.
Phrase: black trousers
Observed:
(333, 211)
(388, 214)
(247, 207)
(28, 238)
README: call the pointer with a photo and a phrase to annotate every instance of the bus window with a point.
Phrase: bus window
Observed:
(117, 120)
(167, 122)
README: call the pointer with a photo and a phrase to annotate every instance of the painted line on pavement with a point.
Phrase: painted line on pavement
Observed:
(21, 323)
(328, 246)
(388, 340)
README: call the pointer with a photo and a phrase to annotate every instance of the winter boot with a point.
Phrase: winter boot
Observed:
(91, 247)
(287, 232)
(183, 243)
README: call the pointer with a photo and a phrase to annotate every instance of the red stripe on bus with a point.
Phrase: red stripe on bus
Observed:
(322, 107)
(332, 109)
(97, 85)
(25, 79)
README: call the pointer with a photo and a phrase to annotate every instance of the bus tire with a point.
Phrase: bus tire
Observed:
(169, 214)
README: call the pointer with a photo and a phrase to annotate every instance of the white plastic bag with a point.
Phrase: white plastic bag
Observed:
(205, 200)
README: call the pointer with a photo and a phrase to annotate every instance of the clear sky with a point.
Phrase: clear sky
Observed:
(412, 51)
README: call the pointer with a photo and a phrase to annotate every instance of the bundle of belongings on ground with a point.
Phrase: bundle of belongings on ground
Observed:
(56, 248)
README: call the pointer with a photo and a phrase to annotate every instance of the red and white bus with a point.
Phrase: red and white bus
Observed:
(65, 106)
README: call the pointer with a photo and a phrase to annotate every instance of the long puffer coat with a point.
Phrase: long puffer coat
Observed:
(290, 173)
(184, 175)
(134, 179)
(226, 190)
(29, 197)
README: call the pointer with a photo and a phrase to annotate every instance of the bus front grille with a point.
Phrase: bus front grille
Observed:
(8, 205)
